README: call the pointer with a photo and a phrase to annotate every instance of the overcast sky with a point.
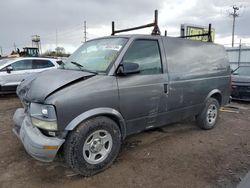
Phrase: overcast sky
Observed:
(20, 19)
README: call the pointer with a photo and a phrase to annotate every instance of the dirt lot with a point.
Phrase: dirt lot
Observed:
(178, 155)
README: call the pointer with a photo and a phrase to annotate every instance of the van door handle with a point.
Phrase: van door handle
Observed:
(165, 88)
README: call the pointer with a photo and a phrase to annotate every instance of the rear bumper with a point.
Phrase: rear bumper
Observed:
(36, 144)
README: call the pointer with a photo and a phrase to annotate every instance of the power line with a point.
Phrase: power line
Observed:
(234, 14)
(64, 31)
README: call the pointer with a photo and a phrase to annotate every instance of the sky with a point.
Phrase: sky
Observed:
(61, 22)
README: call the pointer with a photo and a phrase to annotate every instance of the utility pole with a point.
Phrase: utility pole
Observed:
(56, 43)
(85, 32)
(56, 38)
(14, 46)
(239, 55)
(234, 14)
(40, 47)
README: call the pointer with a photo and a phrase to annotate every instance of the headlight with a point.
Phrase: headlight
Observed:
(43, 116)
(48, 125)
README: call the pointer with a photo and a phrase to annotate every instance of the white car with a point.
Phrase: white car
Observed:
(13, 71)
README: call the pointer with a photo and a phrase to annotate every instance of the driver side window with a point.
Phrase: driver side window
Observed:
(146, 54)
(22, 65)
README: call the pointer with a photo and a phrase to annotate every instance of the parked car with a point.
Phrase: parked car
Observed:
(13, 71)
(116, 86)
(241, 83)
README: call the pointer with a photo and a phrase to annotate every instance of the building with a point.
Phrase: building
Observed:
(238, 56)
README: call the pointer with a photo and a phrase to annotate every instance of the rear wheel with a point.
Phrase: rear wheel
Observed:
(208, 118)
(93, 146)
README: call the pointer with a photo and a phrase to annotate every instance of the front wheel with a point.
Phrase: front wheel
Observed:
(208, 118)
(93, 146)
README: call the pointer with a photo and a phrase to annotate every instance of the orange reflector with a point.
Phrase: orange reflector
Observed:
(50, 147)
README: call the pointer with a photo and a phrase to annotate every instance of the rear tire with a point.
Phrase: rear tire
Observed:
(209, 116)
(93, 146)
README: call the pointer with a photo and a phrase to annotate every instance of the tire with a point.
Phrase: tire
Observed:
(209, 116)
(93, 146)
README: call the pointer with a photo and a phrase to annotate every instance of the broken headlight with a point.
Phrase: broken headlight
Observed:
(43, 116)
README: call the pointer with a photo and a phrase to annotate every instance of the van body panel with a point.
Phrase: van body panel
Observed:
(195, 69)
(191, 72)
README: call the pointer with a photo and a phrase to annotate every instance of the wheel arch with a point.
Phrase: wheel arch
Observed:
(108, 112)
(215, 94)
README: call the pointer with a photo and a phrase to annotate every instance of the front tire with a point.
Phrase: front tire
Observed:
(209, 116)
(93, 146)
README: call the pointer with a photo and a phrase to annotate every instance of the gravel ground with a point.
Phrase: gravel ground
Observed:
(177, 155)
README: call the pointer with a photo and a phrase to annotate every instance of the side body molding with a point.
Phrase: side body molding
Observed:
(98, 112)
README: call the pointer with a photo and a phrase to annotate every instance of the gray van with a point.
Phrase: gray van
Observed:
(116, 86)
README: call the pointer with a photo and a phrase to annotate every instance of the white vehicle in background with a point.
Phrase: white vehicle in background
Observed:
(14, 70)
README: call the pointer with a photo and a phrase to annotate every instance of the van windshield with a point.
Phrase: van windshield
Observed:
(95, 55)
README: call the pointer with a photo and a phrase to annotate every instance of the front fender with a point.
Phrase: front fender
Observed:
(98, 112)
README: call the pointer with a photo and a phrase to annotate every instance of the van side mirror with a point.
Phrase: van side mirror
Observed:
(128, 68)
(9, 69)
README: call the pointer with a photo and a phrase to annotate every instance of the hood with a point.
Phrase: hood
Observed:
(38, 87)
(240, 80)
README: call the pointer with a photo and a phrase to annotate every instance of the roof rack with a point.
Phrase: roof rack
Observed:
(156, 30)
(208, 34)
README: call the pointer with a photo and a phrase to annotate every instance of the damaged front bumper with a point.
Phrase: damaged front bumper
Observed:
(38, 145)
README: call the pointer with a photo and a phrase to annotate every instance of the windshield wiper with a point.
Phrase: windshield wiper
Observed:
(81, 67)
(77, 64)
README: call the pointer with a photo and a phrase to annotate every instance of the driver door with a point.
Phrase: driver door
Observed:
(143, 95)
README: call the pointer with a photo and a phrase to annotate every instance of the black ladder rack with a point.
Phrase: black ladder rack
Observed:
(156, 30)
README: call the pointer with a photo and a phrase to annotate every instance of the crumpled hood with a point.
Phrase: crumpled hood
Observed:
(37, 87)
(240, 80)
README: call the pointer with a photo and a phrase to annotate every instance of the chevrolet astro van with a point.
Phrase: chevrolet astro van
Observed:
(115, 86)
